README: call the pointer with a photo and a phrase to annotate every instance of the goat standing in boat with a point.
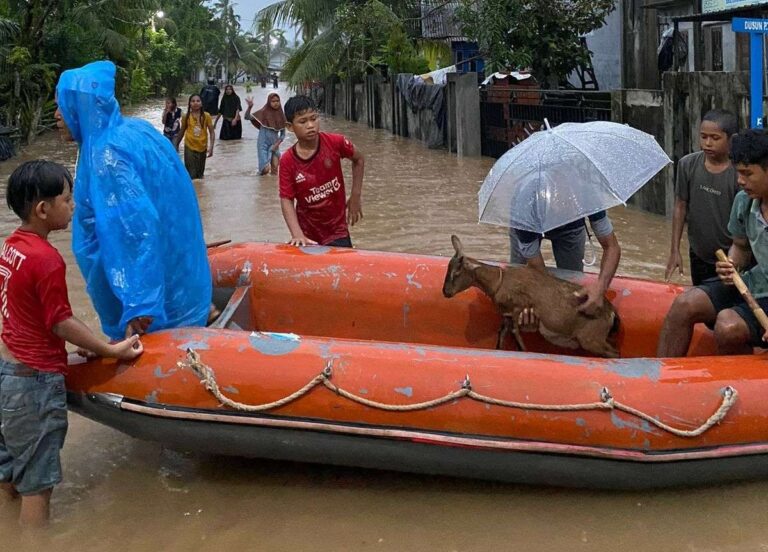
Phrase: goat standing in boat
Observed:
(555, 301)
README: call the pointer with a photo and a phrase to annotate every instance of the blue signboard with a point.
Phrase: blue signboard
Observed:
(756, 29)
(741, 25)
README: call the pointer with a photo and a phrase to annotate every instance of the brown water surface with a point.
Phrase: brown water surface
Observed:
(123, 494)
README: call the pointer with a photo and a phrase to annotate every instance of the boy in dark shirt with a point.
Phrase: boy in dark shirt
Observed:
(37, 321)
(209, 94)
(718, 303)
(705, 188)
(312, 194)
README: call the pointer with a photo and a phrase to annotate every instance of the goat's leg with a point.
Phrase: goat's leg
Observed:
(503, 331)
(518, 337)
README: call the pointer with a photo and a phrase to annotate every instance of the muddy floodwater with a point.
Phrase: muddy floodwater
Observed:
(123, 494)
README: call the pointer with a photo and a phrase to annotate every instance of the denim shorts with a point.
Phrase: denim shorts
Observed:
(567, 246)
(33, 424)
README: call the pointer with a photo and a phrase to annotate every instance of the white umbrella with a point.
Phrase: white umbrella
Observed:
(560, 175)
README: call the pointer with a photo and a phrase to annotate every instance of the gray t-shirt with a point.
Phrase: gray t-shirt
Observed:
(709, 198)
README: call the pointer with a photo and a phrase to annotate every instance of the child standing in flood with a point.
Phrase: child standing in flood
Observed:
(270, 120)
(705, 188)
(199, 137)
(171, 121)
(37, 321)
(312, 194)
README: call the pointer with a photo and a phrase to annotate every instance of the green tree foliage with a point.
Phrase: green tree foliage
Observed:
(346, 38)
(539, 34)
(271, 37)
(400, 55)
(164, 64)
(193, 26)
(154, 55)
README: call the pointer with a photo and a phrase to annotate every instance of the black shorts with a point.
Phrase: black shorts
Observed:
(346, 241)
(701, 270)
(728, 297)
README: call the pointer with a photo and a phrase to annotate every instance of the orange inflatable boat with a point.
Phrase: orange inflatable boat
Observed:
(355, 358)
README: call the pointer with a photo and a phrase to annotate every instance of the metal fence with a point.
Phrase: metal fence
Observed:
(510, 115)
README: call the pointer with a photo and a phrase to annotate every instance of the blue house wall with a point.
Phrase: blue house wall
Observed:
(463, 50)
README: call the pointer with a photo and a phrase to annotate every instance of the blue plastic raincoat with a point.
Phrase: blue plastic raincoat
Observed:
(136, 231)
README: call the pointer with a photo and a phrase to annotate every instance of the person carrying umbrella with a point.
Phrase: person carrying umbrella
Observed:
(546, 186)
(568, 244)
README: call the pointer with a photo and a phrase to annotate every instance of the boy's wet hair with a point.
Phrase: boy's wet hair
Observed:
(33, 182)
(727, 121)
(298, 105)
(750, 147)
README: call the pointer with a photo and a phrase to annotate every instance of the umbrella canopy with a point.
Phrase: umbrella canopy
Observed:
(566, 173)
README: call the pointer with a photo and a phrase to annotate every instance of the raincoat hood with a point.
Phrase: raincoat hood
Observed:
(86, 98)
(136, 231)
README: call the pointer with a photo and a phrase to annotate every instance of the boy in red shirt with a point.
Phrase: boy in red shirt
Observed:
(37, 321)
(312, 194)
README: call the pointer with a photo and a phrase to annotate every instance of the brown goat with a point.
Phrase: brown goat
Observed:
(554, 300)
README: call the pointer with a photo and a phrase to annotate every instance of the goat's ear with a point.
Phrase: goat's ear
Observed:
(457, 245)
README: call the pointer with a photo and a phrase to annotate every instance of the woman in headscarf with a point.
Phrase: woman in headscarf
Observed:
(270, 120)
(230, 109)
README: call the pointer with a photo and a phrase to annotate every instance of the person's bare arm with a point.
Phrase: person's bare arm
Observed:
(355, 203)
(74, 331)
(739, 256)
(247, 115)
(675, 261)
(211, 139)
(610, 261)
(292, 221)
(537, 262)
(593, 294)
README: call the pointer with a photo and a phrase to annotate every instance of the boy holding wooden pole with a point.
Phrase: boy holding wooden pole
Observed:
(718, 303)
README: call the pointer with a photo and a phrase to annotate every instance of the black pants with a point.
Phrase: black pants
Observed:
(701, 270)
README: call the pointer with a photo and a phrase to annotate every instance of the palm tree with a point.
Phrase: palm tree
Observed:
(311, 16)
(308, 15)
(249, 56)
(272, 38)
(192, 31)
(340, 36)
(118, 23)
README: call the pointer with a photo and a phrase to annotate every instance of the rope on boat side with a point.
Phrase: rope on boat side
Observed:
(607, 402)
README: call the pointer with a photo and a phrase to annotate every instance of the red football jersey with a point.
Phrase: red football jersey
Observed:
(33, 298)
(317, 185)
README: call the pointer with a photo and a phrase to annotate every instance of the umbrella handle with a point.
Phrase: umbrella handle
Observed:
(593, 255)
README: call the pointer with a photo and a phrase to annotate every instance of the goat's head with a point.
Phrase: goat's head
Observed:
(460, 273)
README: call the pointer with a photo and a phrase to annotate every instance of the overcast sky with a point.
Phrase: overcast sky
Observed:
(247, 9)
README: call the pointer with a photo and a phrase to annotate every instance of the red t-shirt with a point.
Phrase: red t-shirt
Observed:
(317, 185)
(33, 298)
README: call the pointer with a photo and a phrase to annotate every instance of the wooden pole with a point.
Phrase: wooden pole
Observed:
(217, 243)
(742, 287)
